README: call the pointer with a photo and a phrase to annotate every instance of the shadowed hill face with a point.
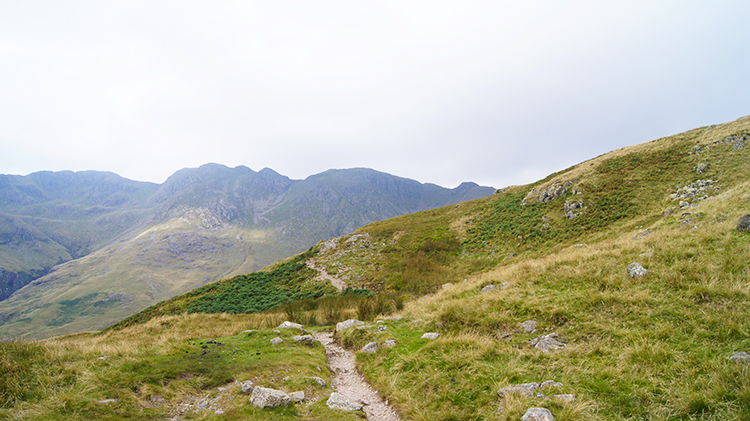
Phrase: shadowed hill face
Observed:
(140, 243)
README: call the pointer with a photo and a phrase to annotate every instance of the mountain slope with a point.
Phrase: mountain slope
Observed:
(622, 347)
(135, 244)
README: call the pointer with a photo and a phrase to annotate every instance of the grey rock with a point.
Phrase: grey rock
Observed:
(642, 235)
(249, 331)
(553, 192)
(740, 357)
(503, 285)
(538, 414)
(264, 397)
(247, 387)
(696, 149)
(276, 341)
(701, 168)
(318, 380)
(529, 326)
(381, 329)
(306, 339)
(547, 343)
(565, 398)
(297, 396)
(106, 401)
(290, 325)
(739, 145)
(370, 348)
(526, 389)
(488, 288)
(743, 225)
(390, 343)
(430, 335)
(550, 383)
(636, 270)
(347, 324)
(341, 402)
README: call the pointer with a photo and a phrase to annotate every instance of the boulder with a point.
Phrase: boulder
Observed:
(347, 324)
(264, 397)
(430, 335)
(305, 339)
(297, 396)
(370, 348)
(276, 341)
(290, 325)
(341, 402)
(743, 225)
(636, 270)
(538, 414)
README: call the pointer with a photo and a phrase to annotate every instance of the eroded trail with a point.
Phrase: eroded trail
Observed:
(336, 282)
(348, 381)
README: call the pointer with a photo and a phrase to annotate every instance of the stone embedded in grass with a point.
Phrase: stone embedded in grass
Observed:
(636, 270)
(370, 348)
(568, 398)
(276, 341)
(547, 343)
(318, 380)
(743, 225)
(305, 339)
(347, 324)
(390, 343)
(525, 389)
(297, 396)
(740, 357)
(550, 383)
(341, 402)
(106, 401)
(538, 414)
(264, 397)
(290, 325)
(529, 326)
(249, 331)
(488, 288)
(247, 386)
(430, 335)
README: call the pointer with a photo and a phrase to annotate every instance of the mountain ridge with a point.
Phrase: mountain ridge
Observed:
(200, 225)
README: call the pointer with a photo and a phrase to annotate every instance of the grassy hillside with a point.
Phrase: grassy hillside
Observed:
(652, 347)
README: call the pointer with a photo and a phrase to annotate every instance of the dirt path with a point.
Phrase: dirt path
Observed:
(336, 282)
(348, 381)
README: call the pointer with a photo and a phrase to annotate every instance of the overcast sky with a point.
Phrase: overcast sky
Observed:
(496, 92)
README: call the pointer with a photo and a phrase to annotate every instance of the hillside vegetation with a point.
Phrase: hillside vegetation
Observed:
(628, 348)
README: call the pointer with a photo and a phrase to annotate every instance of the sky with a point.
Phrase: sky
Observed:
(496, 92)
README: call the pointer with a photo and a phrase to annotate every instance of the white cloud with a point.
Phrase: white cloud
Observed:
(495, 92)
